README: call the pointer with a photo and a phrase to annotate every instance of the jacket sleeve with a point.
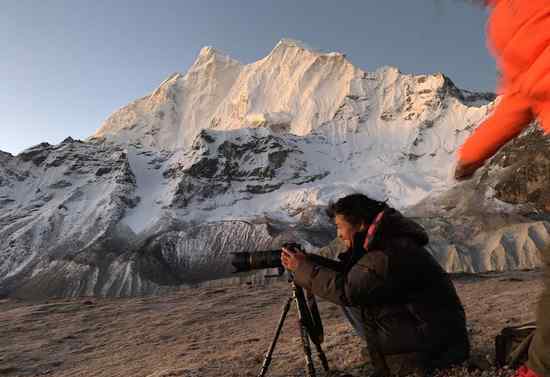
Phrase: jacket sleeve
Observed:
(352, 288)
(511, 115)
(535, 39)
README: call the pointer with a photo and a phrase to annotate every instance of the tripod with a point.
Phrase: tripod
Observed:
(310, 326)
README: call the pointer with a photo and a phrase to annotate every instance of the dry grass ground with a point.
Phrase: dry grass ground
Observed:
(218, 331)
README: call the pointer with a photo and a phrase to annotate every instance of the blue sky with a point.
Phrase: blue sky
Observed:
(66, 65)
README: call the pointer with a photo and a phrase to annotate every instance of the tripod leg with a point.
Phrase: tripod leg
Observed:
(308, 313)
(322, 356)
(267, 358)
(307, 349)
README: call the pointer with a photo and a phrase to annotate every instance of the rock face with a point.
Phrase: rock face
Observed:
(239, 165)
(526, 176)
(231, 157)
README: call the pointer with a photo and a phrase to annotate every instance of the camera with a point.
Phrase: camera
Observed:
(248, 261)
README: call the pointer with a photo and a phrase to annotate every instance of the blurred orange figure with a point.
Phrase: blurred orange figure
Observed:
(519, 37)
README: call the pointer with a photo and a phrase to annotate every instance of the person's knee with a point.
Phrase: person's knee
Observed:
(353, 315)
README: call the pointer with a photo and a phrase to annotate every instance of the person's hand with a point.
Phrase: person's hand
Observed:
(291, 260)
(465, 171)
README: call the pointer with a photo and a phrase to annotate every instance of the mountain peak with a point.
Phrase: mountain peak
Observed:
(288, 43)
(388, 71)
(209, 54)
(209, 51)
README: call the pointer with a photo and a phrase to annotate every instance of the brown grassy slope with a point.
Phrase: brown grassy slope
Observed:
(215, 331)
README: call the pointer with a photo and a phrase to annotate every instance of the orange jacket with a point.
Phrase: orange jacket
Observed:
(519, 37)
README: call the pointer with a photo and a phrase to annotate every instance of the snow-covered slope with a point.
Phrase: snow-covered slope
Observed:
(157, 198)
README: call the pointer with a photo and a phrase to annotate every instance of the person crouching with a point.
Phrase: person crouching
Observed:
(393, 292)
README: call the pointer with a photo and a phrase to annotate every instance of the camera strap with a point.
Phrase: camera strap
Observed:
(371, 232)
(373, 342)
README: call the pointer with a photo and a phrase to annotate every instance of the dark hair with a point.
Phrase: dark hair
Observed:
(356, 208)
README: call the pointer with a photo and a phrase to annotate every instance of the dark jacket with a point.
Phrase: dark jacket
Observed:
(397, 275)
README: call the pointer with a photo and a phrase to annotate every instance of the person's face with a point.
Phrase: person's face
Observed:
(345, 229)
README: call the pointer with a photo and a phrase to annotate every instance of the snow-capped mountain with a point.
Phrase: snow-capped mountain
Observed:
(230, 157)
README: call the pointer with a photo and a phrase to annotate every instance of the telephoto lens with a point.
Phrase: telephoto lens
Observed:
(247, 261)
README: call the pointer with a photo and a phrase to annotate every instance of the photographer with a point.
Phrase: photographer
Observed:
(393, 292)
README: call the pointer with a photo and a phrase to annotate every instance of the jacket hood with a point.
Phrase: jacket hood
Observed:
(395, 225)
